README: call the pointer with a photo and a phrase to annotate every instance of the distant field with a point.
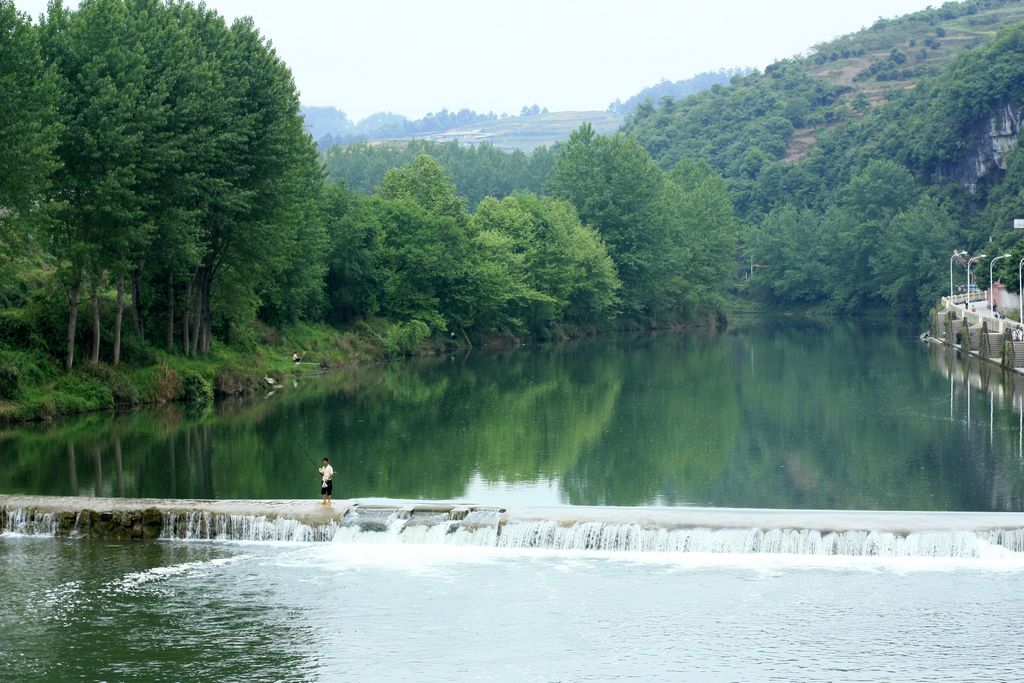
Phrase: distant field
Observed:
(910, 39)
(528, 132)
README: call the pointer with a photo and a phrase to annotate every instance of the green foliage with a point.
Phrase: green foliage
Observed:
(196, 388)
(617, 188)
(789, 255)
(425, 182)
(911, 264)
(670, 237)
(17, 331)
(10, 382)
(354, 279)
(736, 129)
(570, 274)
(403, 338)
(674, 90)
(28, 120)
(477, 172)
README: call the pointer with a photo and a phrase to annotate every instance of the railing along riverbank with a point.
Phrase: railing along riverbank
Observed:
(979, 333)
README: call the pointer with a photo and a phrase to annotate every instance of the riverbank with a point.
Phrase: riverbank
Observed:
(35, 387)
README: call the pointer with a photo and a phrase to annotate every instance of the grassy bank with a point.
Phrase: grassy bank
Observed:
(33, 385)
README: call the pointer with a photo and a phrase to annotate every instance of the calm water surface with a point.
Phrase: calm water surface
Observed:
(792, 414)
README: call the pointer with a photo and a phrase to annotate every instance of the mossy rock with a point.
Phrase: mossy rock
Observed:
(152, 523)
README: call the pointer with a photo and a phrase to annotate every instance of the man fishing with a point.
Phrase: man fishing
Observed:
(327, 482)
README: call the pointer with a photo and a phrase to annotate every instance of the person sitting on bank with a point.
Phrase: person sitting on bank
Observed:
(296, 358)
(326, 482)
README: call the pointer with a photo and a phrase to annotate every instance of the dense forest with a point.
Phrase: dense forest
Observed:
(160, 196)
(852, 182)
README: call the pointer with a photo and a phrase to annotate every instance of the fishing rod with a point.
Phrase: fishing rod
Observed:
(306, 453)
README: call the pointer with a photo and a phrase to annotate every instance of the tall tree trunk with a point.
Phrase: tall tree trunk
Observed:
(137, 321)
(198, 317)
(207, 318)
(186, 346)
(118, 318)
(170, 313)
(94, 299)
(69, 359)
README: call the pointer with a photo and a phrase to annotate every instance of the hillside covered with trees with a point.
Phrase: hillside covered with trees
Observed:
(854, 192)
(675, 90)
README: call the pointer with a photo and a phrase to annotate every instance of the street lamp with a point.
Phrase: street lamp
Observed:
(992, 294)
(1020, 291)
(969, 262)
(951, 258)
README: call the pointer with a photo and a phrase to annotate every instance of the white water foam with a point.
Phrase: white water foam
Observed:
(633, 538)
(29, 522)
(489, 527)
(606, 537)
(134, 580)
(192, 526)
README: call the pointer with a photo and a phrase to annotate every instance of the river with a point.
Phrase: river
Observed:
(793, 414)
(811, 417)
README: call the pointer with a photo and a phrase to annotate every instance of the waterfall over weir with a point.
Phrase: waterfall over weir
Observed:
(667, 530)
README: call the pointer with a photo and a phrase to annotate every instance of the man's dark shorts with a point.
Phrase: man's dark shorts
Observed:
(327, 488)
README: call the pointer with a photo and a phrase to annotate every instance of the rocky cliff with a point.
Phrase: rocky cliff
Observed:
(988, 141)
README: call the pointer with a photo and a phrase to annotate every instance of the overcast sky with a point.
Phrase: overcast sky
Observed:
(415, 56)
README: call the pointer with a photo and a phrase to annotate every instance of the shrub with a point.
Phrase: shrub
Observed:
(135, 351)
(16, 331)
(165, 384)
(197, 389)
(403, 338)
(10, 382)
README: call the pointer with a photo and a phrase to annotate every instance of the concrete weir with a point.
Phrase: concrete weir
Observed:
(151, 518)
(630, 529)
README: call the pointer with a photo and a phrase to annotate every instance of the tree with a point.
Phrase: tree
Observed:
(563, 261)
(616, 187)
(910, 263)
(705, 228)
(872, 197)
(425, 260)
(425, 184)
(28, 118)
(355, 269)
(256, 171)
(110, 109)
